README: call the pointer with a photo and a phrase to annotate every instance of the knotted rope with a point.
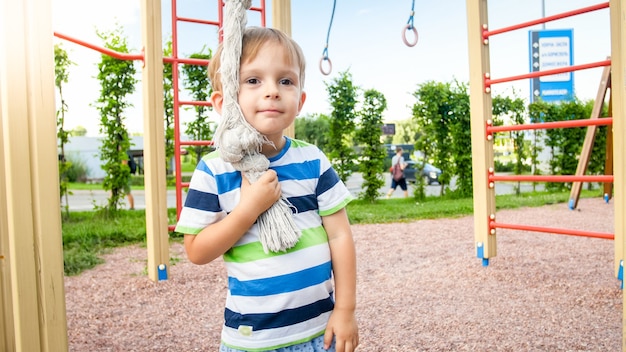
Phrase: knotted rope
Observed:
(239, 142)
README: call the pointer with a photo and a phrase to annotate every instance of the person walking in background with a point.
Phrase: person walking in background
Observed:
(302, 298)
(397, 177)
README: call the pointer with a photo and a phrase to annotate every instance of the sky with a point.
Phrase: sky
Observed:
(365, 40)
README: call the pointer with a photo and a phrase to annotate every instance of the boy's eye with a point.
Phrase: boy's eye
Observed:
(286, 81)
(252, 81)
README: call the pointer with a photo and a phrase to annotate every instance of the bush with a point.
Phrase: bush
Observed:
(509, 166)
(78, 170)
(503, 167)
(171, 180)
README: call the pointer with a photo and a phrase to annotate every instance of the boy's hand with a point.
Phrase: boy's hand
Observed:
(342, 325)
(260, 195)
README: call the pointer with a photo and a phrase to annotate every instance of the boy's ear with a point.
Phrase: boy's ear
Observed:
(217, 99)
(302, 100)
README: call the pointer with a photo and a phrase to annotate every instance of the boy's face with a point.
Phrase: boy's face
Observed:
(269, 91)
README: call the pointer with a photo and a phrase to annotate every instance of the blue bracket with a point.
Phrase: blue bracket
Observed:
(162, 270)
(606, 198)
(570, 204)
(480, 251)
(620, 274)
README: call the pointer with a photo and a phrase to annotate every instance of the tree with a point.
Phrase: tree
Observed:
(406, 132)
(459, 122)
(168, 106)
(430, 113)
(117, 79)
(313, 129)
(442, 116)
(565, 144)
(513, 110)
(343, 98)
(197, 81)
(368, 135)
(61, 72)
(78, 131)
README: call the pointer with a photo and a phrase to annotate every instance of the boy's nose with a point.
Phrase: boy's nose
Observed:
(271, 91)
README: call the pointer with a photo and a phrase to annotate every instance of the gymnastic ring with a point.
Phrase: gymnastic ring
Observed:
(404, 30)
(330, 66)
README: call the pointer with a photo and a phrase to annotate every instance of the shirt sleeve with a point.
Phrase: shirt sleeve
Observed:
(202, 206)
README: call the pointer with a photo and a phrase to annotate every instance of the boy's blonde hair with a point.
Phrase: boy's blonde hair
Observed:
(253, 39)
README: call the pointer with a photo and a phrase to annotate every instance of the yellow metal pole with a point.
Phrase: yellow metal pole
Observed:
(281, 19)
(154, 142)
(480, 111)
(33, 256)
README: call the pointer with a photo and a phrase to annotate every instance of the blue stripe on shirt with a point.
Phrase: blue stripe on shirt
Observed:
(298, 171)
(280, 284)
(228, 181)
(288, 317)
(304, 203)
(327, 181)
(202, 166)
(202, 201)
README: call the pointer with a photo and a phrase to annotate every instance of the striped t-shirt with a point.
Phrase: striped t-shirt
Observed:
(278, 299)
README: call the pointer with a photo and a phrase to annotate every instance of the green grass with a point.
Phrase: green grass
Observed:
(137, 182)
(188, 166)
(407, 209)
(89, 234)
(81, 186)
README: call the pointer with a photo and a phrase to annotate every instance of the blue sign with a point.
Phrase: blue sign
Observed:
(551, 49)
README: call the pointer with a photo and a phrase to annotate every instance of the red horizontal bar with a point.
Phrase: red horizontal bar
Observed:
(197, 20)
(196, 103)
(209, 22)
(553, 178)
(550, 125)
(487, 34)
(603, 235)
(489, 82)
(126, 56)
(190, 61)
(196, 143)
(112, 53)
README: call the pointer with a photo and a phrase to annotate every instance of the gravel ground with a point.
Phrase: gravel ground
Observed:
(420, 288)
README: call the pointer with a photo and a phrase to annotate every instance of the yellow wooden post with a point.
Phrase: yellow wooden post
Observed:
(32, 264)
(618, 102)
(7, 340)
(607, 188)
(480, 111)
(281, 19)
(154, 142)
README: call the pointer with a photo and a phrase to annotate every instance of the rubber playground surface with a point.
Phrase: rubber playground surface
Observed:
(420, 288)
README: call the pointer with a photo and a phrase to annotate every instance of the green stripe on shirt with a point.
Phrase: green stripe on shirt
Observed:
(254, 251)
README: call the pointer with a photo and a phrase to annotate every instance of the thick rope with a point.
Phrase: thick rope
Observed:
(239, 143)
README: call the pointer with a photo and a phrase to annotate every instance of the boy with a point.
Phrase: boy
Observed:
(282, 301)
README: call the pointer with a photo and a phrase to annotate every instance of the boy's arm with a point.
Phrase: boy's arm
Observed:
(215, 239)
(342, 323)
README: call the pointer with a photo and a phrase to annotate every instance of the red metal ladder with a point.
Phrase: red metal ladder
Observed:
(175, 61)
